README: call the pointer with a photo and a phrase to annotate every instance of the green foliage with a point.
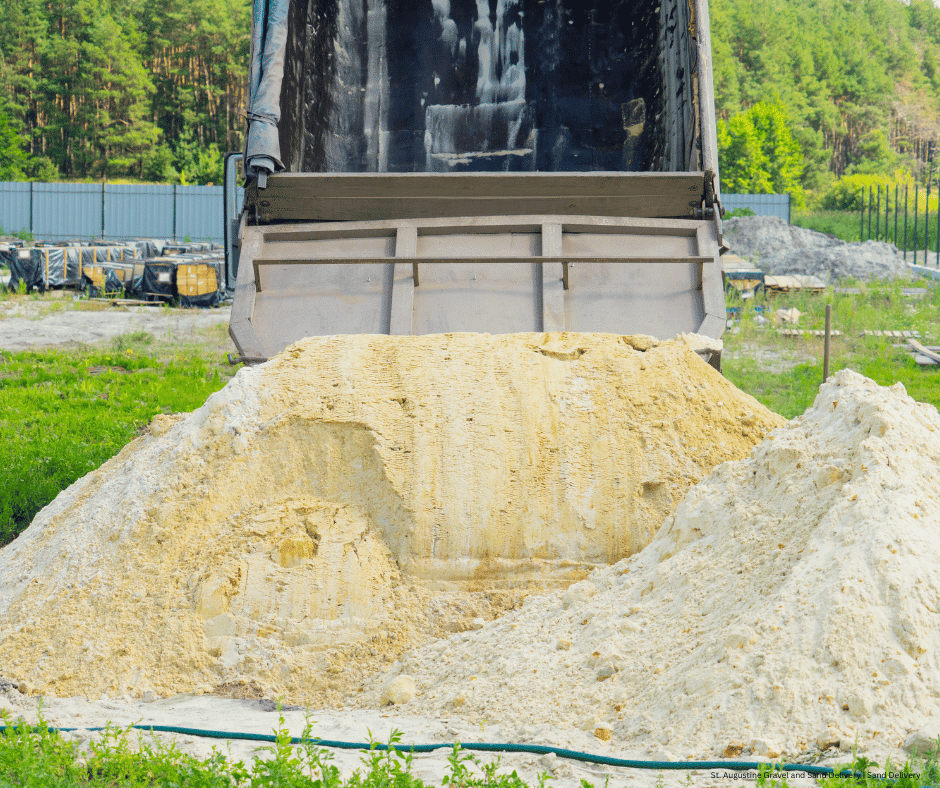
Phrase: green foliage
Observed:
(787, 376)
(740, 212)
(38, 757)
(120, 88)
(758, 155)
(12, 156)
(840, 71)
(23, 235)
(63, 414)
(846, 193)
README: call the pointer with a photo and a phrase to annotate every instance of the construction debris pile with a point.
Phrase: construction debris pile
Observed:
(779, 248)
(790, 602)
(355, 497)
(153, 270)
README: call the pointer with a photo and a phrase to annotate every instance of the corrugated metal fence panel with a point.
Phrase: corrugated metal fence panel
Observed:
(761, 204)
(73, 211)
(14, 207)
(138, 212)
(63, 211)
(199, 213)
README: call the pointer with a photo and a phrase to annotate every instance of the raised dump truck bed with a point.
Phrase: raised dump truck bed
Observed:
(488, 274)
(493, 167)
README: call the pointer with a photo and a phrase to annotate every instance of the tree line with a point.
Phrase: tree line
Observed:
(142, 89)
(811, 91)
(807, 91)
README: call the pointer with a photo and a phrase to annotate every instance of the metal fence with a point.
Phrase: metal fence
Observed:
(79, 211)
(761, 204)
(904, 217)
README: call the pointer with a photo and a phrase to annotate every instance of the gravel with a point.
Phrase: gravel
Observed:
(780, 248)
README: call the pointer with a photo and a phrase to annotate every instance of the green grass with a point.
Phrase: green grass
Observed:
(861, 772)
(790, 390)
(843, 224)
(847, 226)
(65, 412)
(38, 757)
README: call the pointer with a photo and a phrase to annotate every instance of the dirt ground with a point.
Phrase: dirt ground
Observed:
(59, 319)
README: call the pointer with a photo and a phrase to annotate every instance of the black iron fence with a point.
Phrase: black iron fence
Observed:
(908, 217)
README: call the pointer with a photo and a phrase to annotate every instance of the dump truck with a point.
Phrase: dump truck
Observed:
(492, 166)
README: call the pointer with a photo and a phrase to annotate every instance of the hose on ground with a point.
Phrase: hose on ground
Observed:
(533, 749)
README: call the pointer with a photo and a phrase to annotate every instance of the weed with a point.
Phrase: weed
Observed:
(765, 777)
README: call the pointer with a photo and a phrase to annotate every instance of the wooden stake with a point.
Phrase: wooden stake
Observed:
(827, 342)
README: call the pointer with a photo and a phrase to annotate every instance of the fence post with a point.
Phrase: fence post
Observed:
(938, 223)
(895, 214)
(927, 224)
(887, 210)
(102, 210)
(31, 207)
(174, 212)
(905, 222)
(861, 227)
(870, 190)
(878, 215)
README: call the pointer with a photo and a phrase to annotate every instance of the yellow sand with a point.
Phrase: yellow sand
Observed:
(354, 497)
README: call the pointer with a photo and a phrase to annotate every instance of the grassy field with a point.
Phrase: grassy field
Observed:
(847, 226)
(784, 373)
(65, 412)
(843, 224)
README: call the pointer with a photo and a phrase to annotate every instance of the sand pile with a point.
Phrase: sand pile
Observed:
(792, 599)
(355, 497)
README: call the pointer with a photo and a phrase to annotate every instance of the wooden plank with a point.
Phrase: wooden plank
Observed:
(284, 208)
(923, 350)
(330, 186)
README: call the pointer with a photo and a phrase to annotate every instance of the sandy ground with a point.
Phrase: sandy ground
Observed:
(59, 321)
(26, 323)
(210, 713)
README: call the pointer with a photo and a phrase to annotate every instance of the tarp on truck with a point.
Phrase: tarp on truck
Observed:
(268, 50)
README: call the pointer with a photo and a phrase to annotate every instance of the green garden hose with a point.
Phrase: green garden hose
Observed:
(534, 749)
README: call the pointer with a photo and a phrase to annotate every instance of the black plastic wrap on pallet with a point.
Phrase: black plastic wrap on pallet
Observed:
(159, 278)
(59, 267)
(24, 267)
(111, 284)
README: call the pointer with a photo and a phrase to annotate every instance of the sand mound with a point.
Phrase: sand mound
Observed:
(355, 497)
(792, 594)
